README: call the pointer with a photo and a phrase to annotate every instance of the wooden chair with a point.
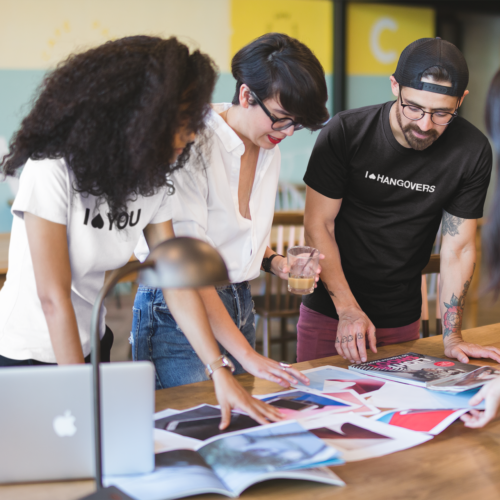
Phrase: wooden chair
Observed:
(277, 301)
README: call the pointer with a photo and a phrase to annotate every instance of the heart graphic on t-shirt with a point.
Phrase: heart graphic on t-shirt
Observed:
(372, 176)
(98, 222)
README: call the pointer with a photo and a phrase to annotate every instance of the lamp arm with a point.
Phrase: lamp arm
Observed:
(95, 349)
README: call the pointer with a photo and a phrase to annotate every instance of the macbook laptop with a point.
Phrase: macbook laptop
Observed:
(46, 421)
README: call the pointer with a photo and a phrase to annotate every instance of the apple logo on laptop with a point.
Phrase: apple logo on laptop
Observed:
(64, 425)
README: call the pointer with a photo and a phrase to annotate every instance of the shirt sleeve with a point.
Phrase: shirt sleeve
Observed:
(44, 188)
(468, 201)
(165, 209)
(328, 169)
(190, 204)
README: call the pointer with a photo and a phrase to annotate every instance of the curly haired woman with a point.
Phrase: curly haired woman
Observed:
(108, 127)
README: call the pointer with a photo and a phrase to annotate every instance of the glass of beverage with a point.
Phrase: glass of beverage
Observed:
(303, 263)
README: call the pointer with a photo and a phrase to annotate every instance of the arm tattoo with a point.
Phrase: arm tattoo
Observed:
(451, 223)
(328, 290)
(452, 320)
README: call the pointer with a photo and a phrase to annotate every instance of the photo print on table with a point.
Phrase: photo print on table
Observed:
(360, 438)
(430, 421)
(297, 405)
(329, 379)
(202, 422)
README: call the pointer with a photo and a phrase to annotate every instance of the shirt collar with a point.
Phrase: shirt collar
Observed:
(226, 134)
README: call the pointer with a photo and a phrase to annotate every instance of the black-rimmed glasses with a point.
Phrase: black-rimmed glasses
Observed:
(278, 123)
(415, 113)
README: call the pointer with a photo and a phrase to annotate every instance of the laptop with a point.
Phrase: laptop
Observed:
(46, 421)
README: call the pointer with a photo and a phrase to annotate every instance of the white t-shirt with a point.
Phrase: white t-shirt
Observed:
(206, 201)
(96, 244)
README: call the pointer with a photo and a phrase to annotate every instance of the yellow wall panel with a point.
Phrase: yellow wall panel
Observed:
(37, 34)
(377, 34)
(310, 21)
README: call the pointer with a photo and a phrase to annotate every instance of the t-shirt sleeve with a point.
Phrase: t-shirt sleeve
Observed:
(327, 171)
(165, 209)
(44, 188)
(468, 201)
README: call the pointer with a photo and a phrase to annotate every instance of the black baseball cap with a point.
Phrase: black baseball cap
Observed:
(425, 53)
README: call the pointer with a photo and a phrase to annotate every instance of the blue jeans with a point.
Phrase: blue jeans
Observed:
(156, 336)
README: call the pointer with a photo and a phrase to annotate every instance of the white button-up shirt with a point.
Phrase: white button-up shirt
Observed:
(205, 203)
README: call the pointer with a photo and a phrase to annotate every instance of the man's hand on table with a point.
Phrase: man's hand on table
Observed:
(231, 395)
(261, 367)
(458, 349)
(353, 329)
(491, 394)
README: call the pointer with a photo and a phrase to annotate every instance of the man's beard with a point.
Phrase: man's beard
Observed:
(415, 142)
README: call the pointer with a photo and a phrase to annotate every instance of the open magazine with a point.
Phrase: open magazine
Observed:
(229, 464)
(429, 372)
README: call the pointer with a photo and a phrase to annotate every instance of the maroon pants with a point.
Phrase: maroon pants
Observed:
(316, 335)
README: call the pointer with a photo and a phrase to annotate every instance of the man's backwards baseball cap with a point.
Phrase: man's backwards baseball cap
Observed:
(425, 53)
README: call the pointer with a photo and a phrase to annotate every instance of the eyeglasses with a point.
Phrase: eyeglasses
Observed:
(278, 123)
(415, 113)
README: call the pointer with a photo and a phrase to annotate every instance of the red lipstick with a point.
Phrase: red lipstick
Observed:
(273, 140)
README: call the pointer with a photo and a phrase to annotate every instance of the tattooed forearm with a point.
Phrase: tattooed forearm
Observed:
(328, 290)
(452, 321)
(451, 223)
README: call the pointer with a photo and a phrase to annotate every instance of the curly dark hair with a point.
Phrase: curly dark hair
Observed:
(111, 112)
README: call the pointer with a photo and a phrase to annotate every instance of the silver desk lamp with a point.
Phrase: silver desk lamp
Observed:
(175, 263)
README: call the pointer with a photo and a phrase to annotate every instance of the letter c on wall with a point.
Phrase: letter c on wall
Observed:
(383, 56)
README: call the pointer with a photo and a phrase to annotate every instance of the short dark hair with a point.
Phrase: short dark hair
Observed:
(437, 74)
(112, 113)
(279, 66)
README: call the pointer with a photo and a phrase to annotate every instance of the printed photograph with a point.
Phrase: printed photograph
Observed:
(347, 437)
(203, 423)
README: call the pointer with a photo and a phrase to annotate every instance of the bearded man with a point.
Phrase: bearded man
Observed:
(379, 181)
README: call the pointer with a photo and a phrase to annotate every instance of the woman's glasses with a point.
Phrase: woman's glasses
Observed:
(278, 123)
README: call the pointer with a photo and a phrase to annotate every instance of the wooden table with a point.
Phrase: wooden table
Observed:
(459, 463)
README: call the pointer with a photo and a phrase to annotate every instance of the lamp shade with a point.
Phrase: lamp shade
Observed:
(183, 262)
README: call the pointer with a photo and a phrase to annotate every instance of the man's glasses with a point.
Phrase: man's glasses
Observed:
(278, 123)
(415, 113)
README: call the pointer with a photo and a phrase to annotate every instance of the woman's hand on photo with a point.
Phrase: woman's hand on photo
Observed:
(491, 395)
(231, 395)
(279, 267)
(261, 367)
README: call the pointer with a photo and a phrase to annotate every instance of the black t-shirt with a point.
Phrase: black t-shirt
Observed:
(392, 203)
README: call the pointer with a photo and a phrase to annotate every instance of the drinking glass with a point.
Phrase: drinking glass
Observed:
(303, 263)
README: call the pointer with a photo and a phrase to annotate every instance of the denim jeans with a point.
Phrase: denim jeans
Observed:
(156, 336)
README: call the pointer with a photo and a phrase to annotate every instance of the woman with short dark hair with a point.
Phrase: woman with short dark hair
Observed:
(107, 130)
(490, 392)
(280, 88)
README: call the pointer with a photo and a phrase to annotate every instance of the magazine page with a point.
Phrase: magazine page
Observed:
(240, 459)
(471, 380)
(328, 379)
(418, 398)
(430, 421)
(177, 474)
(414, 368)
(168, 441)
(297, 405)
(202, 422)
(350, 396)
(360, 438)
